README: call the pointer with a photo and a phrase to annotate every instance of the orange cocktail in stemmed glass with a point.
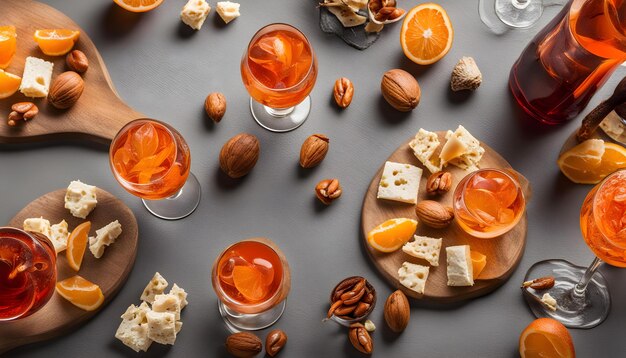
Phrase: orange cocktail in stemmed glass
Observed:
(151, 160)
(279, 69)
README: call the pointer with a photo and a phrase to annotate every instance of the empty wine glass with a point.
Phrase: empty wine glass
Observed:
(502, 15)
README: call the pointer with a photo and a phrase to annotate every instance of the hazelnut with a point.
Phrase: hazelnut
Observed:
(66, 89)
(313, 150)
(397, 311)
(215, 106)
(239, 155)
(77, 61)
(243, 344)
(400, 89)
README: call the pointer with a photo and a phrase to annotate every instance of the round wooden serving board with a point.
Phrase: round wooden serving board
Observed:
(503, 253)
(99, 113)
(110, 271)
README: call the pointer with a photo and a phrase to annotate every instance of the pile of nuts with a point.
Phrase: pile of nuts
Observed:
(352, 298)
(246, 344)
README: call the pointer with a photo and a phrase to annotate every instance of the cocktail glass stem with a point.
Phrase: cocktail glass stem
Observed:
(578, 293)
(279, 112)
(177, 206)
(280, 119)
(520, 4)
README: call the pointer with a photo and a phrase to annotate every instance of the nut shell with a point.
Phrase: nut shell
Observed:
(239, 155)
(465, 75)
(397, 311)
(243, 345)
(215, 106)
(77, 61)
(66, 89)
(274, 342)
(400, 89)
(360, 338)
(433, 214)
(343, 92)
(313, 150)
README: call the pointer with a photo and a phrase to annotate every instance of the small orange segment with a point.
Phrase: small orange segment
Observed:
(426, 35)
(138, 5)
(56, 42)
(9, 84)
(249, 282)
(81, 293)
(76, 245)
(546, 338)
(8, 45)
(591, 161)
(479, 261)
(392, 234)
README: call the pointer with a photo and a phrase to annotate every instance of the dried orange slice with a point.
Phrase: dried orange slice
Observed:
(392, 234)
(8, 44)
(426, 34)
(249, 282)
(81, 293)
(591, 161)
(76, 245)
(9, 84)
(479, 261)
(56, 42)
(546, 338)
(138, 5)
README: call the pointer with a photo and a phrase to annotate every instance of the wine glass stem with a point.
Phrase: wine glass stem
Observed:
(581, 286)
(279, 112)
(520, 4)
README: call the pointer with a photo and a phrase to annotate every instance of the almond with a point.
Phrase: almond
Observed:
(313, 150)
(433, 214)
(397, 311)
(400, 89)
(239, 155)
(243, 344)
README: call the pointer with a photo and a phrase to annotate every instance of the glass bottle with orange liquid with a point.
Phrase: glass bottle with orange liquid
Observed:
(488, 203)
(279, 69)
(27, 272)
(248, 278)
(563, 66)
(151, 160)
(581, 293)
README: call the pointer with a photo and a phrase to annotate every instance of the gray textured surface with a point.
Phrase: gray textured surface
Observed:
(161, 71)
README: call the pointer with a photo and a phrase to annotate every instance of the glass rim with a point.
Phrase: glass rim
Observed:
(170, 130)
(230, 302)
(599, 187)
(35, 236)
(304, 78)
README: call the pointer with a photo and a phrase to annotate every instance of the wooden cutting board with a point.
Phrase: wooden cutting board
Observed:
(503, 253)
(110, 271)
(97, 116)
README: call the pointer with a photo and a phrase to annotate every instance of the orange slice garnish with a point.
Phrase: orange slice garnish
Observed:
(249, 282)
(392, 234)
(426, 34)
(138, 5)
(76, 245)
(80, 292)
(8, 45)
(56, 42)
(591, 161)
(9, 84)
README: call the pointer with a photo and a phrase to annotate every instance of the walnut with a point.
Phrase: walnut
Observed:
(466, 75)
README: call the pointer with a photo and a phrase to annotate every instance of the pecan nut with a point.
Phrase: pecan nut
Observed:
(360, 338)
(313, 150)
(542, 283)
(77, 61)
(275, 341)
(353, 298)
(328, 190)
(22, 111)
(343, 92)
(439, 183)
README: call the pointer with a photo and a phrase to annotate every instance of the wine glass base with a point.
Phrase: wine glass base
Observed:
(283, 122)
(237, 322)
(503, 15)
(179, 205)
(586, 313)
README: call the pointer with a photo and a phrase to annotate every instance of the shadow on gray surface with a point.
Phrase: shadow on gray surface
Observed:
(458, 97)
(117, 22)
(227, 183)
(304, 173)
(389, 114)
(183, 31)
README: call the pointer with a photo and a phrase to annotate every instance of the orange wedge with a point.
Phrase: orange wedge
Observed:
(8, 44)
(249, 282)
(76, 245)
(138, 5)
(479, 261)
(426, 34)
(546, 338)
(392, 234)
(81, 293)
(9, 84)
(591, 161)
(56, 42)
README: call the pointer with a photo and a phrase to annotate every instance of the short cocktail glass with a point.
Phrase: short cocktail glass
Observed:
(279, 69)
(27, 272)
(151, 160)
(488, 203)
(582, 294)
(248, 279)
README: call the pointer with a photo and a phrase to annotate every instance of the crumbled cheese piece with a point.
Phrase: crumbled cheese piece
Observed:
(413, 276)
(59, 235)
(161, 327)
(399, 182)
(423, 247)
(39, 225)
(156, 286)
(36, 77)
(167, 303)
(80, 199)
(347, 16)
(473, 152)
(424, 146)
(549, 301)
(194, 13)
(133, 331)
(227, 10)
(181, 294)
(460, 269)
(104, 237)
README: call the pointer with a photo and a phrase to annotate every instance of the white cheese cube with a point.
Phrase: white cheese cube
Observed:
(413, 276)
(39, 225)
(194, 13)
(36, 77)
(181, 294)
(425, 248)
(424, 146)
(179, 326)
(156, 286)
(399, 182)
(133, 331)
(59, 235)
(460, 271)
(227, 10)
(473, 152)
(549, 301)
(80, 199)
(167, 303)
(104, 237)
(161, 327)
